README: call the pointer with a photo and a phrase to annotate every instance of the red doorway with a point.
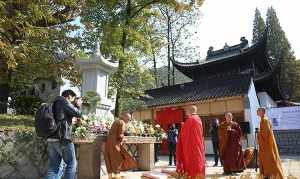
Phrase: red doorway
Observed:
(165, 118)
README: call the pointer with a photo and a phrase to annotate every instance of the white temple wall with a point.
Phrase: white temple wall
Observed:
(67, 85)
(265, 100)
(251, 106)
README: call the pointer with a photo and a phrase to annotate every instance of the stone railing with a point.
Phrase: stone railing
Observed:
(91, 157)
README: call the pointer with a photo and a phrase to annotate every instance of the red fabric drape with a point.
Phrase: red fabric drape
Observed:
(165, 118)
(169, 116)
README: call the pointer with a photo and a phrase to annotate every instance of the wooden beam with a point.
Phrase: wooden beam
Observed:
(196, 102)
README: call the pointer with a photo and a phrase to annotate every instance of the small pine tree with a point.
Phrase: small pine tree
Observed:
(258, 26)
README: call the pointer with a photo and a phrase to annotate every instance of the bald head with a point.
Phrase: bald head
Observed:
(189, 110)
(261, 109)
(228, 117)
(125, 117)
(261, 112)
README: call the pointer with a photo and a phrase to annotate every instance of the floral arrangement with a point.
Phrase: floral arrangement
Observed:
(160, 134)
(94, 125)
(100, 125)
(139, 128)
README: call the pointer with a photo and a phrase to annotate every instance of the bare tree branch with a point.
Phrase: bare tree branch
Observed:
(143, 6)
(63, 16)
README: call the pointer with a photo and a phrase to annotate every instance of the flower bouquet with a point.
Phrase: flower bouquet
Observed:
(94, 125)
(135, 128)
(139, 128)
(160, 134)
(99, 125)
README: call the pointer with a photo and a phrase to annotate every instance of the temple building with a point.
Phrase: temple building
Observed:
(236, 79)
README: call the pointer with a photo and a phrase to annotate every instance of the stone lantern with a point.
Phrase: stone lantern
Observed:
(95, 75)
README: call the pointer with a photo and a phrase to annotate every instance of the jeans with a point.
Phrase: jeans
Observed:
(61, 170)
(61, 153)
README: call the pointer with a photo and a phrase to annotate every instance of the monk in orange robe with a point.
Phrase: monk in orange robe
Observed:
(230, 146)
(112, 154)
(190, 151)
(269, 159)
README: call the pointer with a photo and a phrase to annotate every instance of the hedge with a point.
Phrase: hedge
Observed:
(16, 122)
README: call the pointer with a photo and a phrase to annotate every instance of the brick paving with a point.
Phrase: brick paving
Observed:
(291, 166)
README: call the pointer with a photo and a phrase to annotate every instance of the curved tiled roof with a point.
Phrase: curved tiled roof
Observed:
(238, 55)
(199, 90)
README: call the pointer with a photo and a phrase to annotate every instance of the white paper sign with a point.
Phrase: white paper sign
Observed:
(286, 118)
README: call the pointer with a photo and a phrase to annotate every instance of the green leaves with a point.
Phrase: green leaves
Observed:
(124, 29)
(25, 105)
(32, 33)
(258, 26)
(91, 100)
(280, 52)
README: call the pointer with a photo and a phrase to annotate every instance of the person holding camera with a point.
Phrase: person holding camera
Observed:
(60, 146)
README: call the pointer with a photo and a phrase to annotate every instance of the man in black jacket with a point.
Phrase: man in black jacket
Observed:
(60, 145)
(172, 140)
(215, 139)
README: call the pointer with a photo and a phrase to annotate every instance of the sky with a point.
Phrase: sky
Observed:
(228, 20)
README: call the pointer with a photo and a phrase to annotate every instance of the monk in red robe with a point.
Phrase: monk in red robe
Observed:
(230, 146)
(190, 151)
(268, 155)
(113, 148)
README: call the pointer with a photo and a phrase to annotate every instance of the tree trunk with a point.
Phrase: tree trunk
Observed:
(173, 57)
(4, 93)
(173, 74)
(121, 63)
(5, 76)
(117, 105)
(169, 50)
(155, 68)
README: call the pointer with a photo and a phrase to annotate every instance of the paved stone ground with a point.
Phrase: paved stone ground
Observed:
(291, 166)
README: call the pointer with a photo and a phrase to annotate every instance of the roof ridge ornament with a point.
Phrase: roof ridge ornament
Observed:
(227, 49)
(97, 61)
(210, 49)
(226, 46)
(243, 40)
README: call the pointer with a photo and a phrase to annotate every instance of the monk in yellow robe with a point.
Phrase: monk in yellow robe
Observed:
(269, 160)
(230, 146)
(112, 154)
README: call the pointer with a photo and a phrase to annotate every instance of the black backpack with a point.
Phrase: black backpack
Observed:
(45, 125)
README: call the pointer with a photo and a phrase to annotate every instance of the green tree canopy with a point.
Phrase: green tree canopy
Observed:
(275, 36)
(258, 26)
(280, 53)
(123, 29)
(36, 41)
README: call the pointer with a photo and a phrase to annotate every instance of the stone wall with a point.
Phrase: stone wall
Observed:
(22, 155)
(288, 141)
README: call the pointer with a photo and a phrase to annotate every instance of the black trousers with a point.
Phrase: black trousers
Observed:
(172, 153)
(216, 150)
(156, 151)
